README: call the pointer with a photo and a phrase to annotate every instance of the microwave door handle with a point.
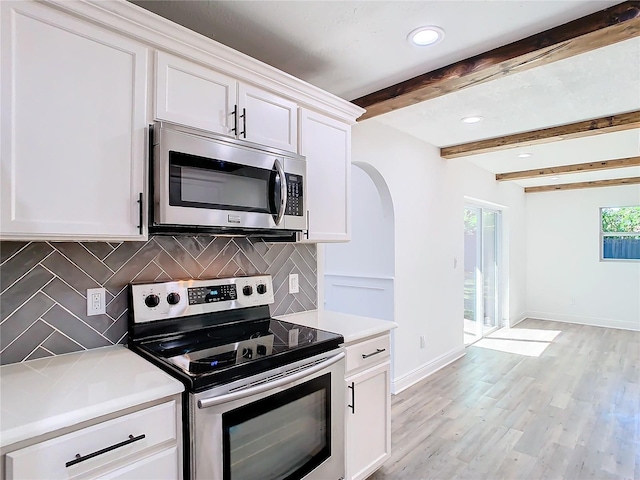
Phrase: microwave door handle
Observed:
(283, 192)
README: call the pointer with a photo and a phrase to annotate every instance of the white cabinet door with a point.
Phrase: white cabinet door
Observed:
(193, 95)
(326, 143)
(267, 119)
(196, 96)
(72, 129)
(368, 423)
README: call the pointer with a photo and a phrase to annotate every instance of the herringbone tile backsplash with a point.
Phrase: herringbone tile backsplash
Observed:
(43, 285)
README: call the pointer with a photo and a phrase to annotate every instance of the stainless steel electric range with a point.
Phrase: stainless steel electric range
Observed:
(264, 398)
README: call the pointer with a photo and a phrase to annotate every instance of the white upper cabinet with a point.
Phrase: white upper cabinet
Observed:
(72, 129)
(196, 96)
(326, 144)
(267, 119)
(77, 94)
(193, 95)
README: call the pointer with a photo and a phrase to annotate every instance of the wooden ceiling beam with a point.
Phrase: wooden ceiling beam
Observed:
(564, 169)
(606, 27)
(574, 186)
(609, 124)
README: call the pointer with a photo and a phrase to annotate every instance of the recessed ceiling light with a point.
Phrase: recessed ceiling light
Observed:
(474, 119)
(554, 178)
(424, 36)
(524, 155)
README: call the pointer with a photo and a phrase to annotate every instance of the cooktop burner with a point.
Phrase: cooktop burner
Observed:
(217, 342)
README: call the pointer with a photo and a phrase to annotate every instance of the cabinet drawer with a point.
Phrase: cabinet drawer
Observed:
(110, 442)
(368, 353)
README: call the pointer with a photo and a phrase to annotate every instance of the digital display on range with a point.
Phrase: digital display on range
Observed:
(215, 293)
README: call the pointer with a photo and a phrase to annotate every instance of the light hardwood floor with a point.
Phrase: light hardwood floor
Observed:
(573, 412)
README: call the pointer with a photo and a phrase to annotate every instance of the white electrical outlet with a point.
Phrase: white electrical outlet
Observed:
(96, 301)
(422, 341)
(294, 287)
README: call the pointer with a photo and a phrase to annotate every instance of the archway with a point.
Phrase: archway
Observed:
(359, 275)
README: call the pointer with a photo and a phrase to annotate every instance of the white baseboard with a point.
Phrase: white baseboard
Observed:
(591, 321)
(420, 373)
(519, 318)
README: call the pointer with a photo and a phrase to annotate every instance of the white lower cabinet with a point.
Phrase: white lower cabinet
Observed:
(140, 445)
(368, 414)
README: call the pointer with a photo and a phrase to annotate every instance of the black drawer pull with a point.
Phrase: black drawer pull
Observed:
(79, 458)
(378, 350)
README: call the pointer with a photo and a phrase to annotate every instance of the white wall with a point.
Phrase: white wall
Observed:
(370, 252)
(428, 197)
(565, 277)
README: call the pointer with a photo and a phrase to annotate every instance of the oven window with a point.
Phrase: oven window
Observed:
(215, 184)
(284, 436)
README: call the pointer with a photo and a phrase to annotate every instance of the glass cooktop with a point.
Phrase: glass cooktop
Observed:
(223, 353)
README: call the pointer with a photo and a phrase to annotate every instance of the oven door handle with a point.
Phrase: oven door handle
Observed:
(230, 397)
(283, 192)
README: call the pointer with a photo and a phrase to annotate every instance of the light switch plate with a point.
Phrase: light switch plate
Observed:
(96, 301)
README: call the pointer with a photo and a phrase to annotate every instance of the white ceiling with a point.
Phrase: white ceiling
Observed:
(354, 48)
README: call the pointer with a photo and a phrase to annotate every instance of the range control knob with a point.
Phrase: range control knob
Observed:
(261, 350)
(152, 300)
(247, 290)
(247, 353)
(262, 288)
(173, 298)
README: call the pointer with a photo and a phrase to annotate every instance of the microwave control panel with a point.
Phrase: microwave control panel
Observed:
(295, 205)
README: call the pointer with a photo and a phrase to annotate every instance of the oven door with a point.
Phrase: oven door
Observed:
(216, 182)
(285, 424)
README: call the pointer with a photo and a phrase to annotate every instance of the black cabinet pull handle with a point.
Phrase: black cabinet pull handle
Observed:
(378, 350)
(244, 123)
(79, 458)
(235, 119)
(140, 212)
(353, 398)
(308, 221)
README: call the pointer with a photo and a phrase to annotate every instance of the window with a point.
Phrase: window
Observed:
(620, 233)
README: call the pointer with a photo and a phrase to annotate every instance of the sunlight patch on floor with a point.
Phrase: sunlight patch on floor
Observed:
(530, 342)
(520, 347)
(531, 334)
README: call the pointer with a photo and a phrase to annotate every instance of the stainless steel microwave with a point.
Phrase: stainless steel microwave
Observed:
(205, 183)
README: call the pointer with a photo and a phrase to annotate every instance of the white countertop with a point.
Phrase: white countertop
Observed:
(44, 395)
(351, 327)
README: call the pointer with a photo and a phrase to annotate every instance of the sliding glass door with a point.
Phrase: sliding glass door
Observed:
(481, 272)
